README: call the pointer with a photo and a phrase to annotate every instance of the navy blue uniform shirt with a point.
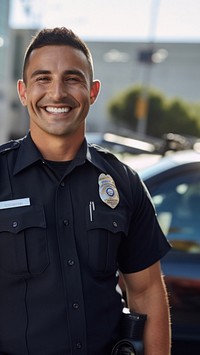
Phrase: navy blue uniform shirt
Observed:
(59, 257)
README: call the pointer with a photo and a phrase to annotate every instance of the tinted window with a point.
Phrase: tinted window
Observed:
(177, 201)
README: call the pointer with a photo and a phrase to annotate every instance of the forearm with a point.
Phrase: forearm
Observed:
(146, 293)
(157, 328)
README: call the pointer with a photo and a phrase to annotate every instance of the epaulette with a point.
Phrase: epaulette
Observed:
(104, 151)
(13, 144)
(99, 148)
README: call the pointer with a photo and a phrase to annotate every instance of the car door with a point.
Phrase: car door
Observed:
(176, 195)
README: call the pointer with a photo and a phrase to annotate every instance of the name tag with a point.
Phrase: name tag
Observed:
(15, 203)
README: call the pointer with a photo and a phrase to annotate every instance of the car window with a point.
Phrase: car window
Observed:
(177, 203)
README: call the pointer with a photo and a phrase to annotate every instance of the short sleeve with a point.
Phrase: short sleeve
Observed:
(145, 243)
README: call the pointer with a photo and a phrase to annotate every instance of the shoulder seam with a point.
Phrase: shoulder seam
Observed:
(14, 144)
(102, 150)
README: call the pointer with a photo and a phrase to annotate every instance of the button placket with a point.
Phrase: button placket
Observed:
(74, 299)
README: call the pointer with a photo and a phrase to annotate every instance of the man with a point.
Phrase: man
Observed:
(72, 216)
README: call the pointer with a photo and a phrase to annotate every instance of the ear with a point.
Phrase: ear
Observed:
(95, 89)
(21, 89)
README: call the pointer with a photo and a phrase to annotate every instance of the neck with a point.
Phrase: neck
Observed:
(58, 148)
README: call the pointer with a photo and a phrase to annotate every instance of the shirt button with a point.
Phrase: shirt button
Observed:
(62, 184)
(75, 305)
(115, 224)
(70, 262)
(66, 222)
(15, 224)
(78, 345)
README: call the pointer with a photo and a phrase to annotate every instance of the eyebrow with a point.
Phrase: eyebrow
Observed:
(39, 72)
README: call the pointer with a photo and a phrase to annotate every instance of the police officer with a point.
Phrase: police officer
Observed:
(71, 217)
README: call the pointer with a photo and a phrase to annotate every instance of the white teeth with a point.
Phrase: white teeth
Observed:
(57, 109)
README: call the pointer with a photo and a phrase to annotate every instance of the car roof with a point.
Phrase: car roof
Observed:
(171, 160)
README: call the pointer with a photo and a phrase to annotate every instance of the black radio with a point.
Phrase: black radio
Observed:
(132, 327)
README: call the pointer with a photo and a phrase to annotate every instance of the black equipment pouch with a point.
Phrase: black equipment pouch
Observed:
(132, 327)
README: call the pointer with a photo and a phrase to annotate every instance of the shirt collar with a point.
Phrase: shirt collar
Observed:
(29, 154)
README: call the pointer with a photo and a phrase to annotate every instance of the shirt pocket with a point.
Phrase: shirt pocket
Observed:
(23, 242)
(105, 232)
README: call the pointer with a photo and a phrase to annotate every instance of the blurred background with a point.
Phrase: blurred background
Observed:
(146, 54)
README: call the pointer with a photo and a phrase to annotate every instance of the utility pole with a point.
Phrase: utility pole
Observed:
(146, 58)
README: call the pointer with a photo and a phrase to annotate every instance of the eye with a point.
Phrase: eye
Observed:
(72, 79)
(43, 79)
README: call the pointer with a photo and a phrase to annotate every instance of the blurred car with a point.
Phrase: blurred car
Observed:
(133, 143)
(174, 184)
(121, 144)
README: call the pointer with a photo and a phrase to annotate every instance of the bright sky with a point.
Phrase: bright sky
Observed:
(116, 20)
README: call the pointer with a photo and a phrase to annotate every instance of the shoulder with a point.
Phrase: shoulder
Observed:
(108, 160)
(9, 146)
(99, 149)
(103, 154)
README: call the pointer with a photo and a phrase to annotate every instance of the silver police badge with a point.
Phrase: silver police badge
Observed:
(108, 191)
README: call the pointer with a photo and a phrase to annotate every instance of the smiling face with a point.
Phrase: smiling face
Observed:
(58, 92)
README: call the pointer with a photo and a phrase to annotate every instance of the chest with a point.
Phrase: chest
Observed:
(64, 217)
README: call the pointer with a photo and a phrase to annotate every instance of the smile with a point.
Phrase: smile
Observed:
(57, 109)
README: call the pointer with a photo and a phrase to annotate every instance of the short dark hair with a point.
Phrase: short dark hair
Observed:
(57, 36)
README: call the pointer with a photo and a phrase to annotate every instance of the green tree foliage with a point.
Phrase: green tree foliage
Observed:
(163, 116)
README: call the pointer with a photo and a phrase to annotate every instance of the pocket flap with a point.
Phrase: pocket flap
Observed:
(113, 220)
(17, 219)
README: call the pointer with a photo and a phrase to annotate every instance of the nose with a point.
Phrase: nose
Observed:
(58, 90)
